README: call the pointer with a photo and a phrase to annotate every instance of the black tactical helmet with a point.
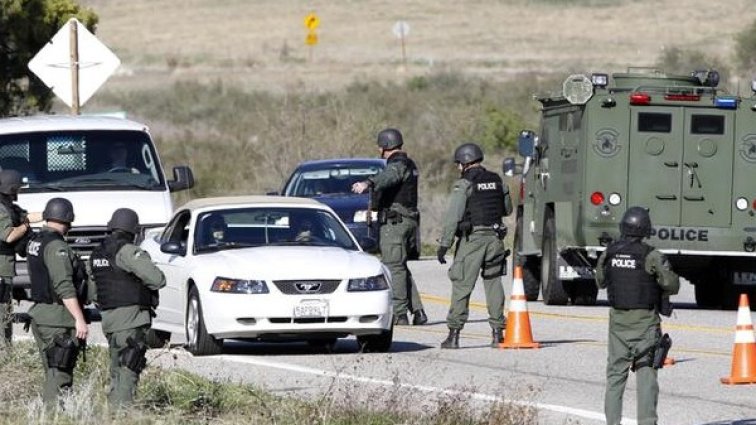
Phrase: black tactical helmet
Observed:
(468, 153)
(636, 222)
(390, 138)
(124, 219)
(59, 209)
(10, 181)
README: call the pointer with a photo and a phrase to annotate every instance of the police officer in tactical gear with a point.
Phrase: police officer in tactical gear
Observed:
(58, 289)
(396, 191)
(126, 283)
(478, 201)
(637, 277)
(14, 234)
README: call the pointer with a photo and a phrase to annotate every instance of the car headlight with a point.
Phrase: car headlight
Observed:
(373, 283)
(239, 286)
(361, 216)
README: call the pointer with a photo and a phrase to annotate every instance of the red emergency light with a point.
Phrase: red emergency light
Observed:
(640, 98)
(683, 97)
(597, 198)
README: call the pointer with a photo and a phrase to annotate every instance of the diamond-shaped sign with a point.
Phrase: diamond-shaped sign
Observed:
(52, 64)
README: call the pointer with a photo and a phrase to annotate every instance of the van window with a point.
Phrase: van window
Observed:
(82, 160)
(707, 124)
(654, 122)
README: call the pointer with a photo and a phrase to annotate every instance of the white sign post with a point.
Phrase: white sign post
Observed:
(401, 30)
(74, 64)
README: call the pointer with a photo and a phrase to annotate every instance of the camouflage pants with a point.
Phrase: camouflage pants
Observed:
(6, 311)
(123, 381)
(473, 252)
(395, 245)
(626, 344)
(57, 381)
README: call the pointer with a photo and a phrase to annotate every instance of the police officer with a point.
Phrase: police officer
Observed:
(636, 277)
(126, 283)
(57, 285)
(14, 234)
(396, 191)
(477, 204)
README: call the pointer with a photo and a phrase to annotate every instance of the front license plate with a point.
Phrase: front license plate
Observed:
(311, 309)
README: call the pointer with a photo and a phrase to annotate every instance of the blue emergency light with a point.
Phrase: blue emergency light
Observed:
(726, 102)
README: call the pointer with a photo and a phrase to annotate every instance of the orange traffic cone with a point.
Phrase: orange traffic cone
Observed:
(744, 352)
(518, 333)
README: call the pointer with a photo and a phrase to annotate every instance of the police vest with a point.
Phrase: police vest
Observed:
(41, 288)
(628, 284)
(117, 287)
(405, 193)
(15, 215)
(485, 206)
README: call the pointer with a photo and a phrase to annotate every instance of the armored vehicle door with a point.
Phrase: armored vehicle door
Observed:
(680, 164)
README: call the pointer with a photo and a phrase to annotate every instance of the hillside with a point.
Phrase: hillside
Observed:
(260, 43)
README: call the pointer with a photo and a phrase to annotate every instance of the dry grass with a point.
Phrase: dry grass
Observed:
(260, 44)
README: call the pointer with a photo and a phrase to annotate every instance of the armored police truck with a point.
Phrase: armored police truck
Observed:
(674, 144)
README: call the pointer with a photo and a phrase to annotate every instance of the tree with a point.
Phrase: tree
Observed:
(25, 27)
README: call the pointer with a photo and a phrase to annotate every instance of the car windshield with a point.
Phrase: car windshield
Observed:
(329, 181)
(82, 160)
(269, 226)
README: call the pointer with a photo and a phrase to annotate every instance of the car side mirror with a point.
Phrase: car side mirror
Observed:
(509, 167)
(526, 143)
(368, 244)
(175, 248)
(183, 178)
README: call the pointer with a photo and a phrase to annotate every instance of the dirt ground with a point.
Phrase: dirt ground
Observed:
(260, 44)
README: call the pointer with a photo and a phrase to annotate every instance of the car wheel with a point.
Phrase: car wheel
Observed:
(198, 341)
(157, 339)
(380, 343)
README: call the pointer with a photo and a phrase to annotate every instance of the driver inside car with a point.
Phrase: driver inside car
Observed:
(119, 155)
(214, 230)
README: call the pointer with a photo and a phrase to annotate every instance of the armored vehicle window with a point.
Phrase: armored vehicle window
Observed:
(707, 124)
(654, 122)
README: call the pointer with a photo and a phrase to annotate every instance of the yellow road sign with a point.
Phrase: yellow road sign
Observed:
(311, 21)
(311, 39)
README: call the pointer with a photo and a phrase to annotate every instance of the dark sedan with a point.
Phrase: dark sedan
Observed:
(330, 182)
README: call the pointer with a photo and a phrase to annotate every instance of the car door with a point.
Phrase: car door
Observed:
(171, 309)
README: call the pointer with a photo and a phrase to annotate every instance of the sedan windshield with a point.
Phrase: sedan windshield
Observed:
(329, 181)
(269, 226)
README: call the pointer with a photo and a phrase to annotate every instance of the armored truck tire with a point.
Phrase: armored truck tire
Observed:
(553, 289)
(529, 264)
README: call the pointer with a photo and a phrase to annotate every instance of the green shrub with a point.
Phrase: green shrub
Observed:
(745, 48)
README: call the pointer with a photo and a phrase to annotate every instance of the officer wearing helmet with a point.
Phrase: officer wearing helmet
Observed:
(58, 289)
(14, 234)
(396, 201)
(127, 284)
(637, 277)
(478, 201)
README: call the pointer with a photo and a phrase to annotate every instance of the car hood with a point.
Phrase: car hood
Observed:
(345, 205)
(283, 263)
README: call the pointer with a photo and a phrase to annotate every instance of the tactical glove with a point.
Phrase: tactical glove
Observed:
(440, 253)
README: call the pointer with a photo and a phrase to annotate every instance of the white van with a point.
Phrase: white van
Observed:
(100, 164)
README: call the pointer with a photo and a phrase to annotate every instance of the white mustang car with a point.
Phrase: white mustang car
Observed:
(267, 268)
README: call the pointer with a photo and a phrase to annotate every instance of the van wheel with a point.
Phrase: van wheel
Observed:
(157, 339)
(553, 288)
(198, 341)
(529, 264)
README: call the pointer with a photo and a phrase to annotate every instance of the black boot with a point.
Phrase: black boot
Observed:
(401, 320)
(451, 341)
(419, 318)
(496, 338)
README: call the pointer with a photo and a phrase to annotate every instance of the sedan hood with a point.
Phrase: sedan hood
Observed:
(285, 263)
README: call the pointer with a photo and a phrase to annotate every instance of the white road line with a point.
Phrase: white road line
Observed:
(587, 414)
